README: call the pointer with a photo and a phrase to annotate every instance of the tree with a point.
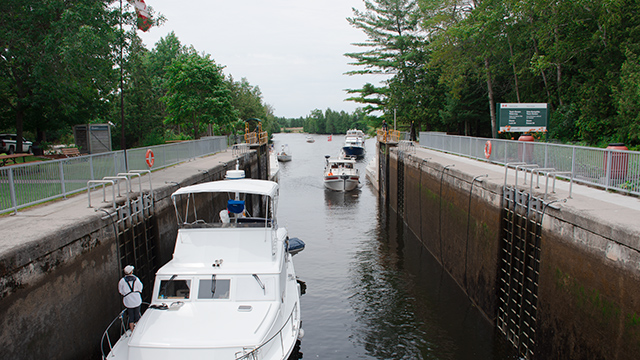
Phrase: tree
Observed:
(395, 48)
(56, 62)
(197, 94)
(247, 100)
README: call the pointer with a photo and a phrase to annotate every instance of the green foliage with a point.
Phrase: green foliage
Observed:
(463, 57)
(57, 62)
(197, 94)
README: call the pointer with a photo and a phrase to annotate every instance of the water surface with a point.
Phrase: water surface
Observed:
(373, 292)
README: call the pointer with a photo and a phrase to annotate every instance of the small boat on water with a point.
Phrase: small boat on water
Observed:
(354, 144)
(274, 167)
(230, 290)
(310, 139)
(340, 174)
(285, 154)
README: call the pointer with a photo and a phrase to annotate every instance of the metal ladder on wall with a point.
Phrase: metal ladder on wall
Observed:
(519, 269)
(134, 225)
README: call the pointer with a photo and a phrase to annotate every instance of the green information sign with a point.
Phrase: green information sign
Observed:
(524, 117)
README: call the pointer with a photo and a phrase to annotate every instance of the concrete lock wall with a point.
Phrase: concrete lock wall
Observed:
(588, 286)
(59, 293)
(438, 203)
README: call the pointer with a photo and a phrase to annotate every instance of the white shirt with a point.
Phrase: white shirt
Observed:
(131, 299)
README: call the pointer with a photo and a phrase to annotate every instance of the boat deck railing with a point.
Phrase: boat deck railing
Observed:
(256, 354)
(106, 343)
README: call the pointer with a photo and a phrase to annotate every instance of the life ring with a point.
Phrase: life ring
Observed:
(149, 157)
(487, 149)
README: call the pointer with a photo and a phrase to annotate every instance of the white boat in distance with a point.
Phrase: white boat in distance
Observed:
(285, 154)
(354, 144)
(230, 291)
(340, 174)
(310, 139)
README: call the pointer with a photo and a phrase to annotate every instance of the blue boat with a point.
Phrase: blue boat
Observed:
(354, 144)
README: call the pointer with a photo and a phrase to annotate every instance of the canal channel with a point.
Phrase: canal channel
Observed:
(373, 291)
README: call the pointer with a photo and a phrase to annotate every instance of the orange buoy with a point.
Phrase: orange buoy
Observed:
(149, 157)
(487, 149)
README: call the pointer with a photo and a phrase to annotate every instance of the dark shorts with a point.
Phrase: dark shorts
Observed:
(134, 314)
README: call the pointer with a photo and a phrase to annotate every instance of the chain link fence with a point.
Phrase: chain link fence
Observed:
(609, 169)
(36, 182)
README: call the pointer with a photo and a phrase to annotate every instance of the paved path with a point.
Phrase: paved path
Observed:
(613, 215)
(38, 228)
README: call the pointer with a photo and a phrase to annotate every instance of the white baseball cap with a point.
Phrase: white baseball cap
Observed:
(128, 269)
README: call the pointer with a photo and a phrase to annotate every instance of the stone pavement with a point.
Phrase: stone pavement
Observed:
(37, 230)
(612, 215)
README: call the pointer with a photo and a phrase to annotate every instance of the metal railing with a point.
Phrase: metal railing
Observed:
(33, 183)
(277, 339)
(389, 136)
(609, 169)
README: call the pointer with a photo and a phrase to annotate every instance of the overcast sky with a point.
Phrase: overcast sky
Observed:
(291, 49)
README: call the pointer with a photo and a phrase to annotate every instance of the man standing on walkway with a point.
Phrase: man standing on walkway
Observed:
(130, 287)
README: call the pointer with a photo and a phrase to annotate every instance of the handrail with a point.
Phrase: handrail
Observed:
(123, 330)
(253, 354)
(389, 136)
(106, 336)
(104, 191)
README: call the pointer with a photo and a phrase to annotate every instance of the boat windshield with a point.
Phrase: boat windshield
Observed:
(174, 289)
(224, 209)
(214, 288)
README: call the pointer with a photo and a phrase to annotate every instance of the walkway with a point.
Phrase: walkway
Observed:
(611, 214)
(36, 231)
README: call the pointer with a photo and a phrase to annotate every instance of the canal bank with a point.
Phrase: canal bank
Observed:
(558, 279)
(60, 262)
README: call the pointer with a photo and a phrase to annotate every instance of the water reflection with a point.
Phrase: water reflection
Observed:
(335, 199)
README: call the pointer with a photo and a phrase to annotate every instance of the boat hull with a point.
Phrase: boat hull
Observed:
(356, 151)
(341, 182)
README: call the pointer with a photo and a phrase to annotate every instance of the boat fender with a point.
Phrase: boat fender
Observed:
(330, 174)
(301, 334)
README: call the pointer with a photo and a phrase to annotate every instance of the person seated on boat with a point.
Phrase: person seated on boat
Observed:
(130, 287)
(224, 217)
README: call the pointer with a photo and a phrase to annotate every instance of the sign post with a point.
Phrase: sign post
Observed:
(523, 117)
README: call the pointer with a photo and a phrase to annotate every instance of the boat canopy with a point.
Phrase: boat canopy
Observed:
(246, 186)
(340, 161)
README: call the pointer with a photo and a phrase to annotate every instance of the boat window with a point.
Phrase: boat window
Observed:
(174, 289)
(213, 288)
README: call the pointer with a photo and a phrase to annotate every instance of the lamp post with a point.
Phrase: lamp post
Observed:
(123, 144)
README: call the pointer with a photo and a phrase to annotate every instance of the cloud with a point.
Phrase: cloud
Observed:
(291, 49)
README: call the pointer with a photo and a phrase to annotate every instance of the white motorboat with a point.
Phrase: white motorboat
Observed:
(285, 154)
(354, 144)
(340, 174)
(274, 167)
(230, 291)
(310, 139)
